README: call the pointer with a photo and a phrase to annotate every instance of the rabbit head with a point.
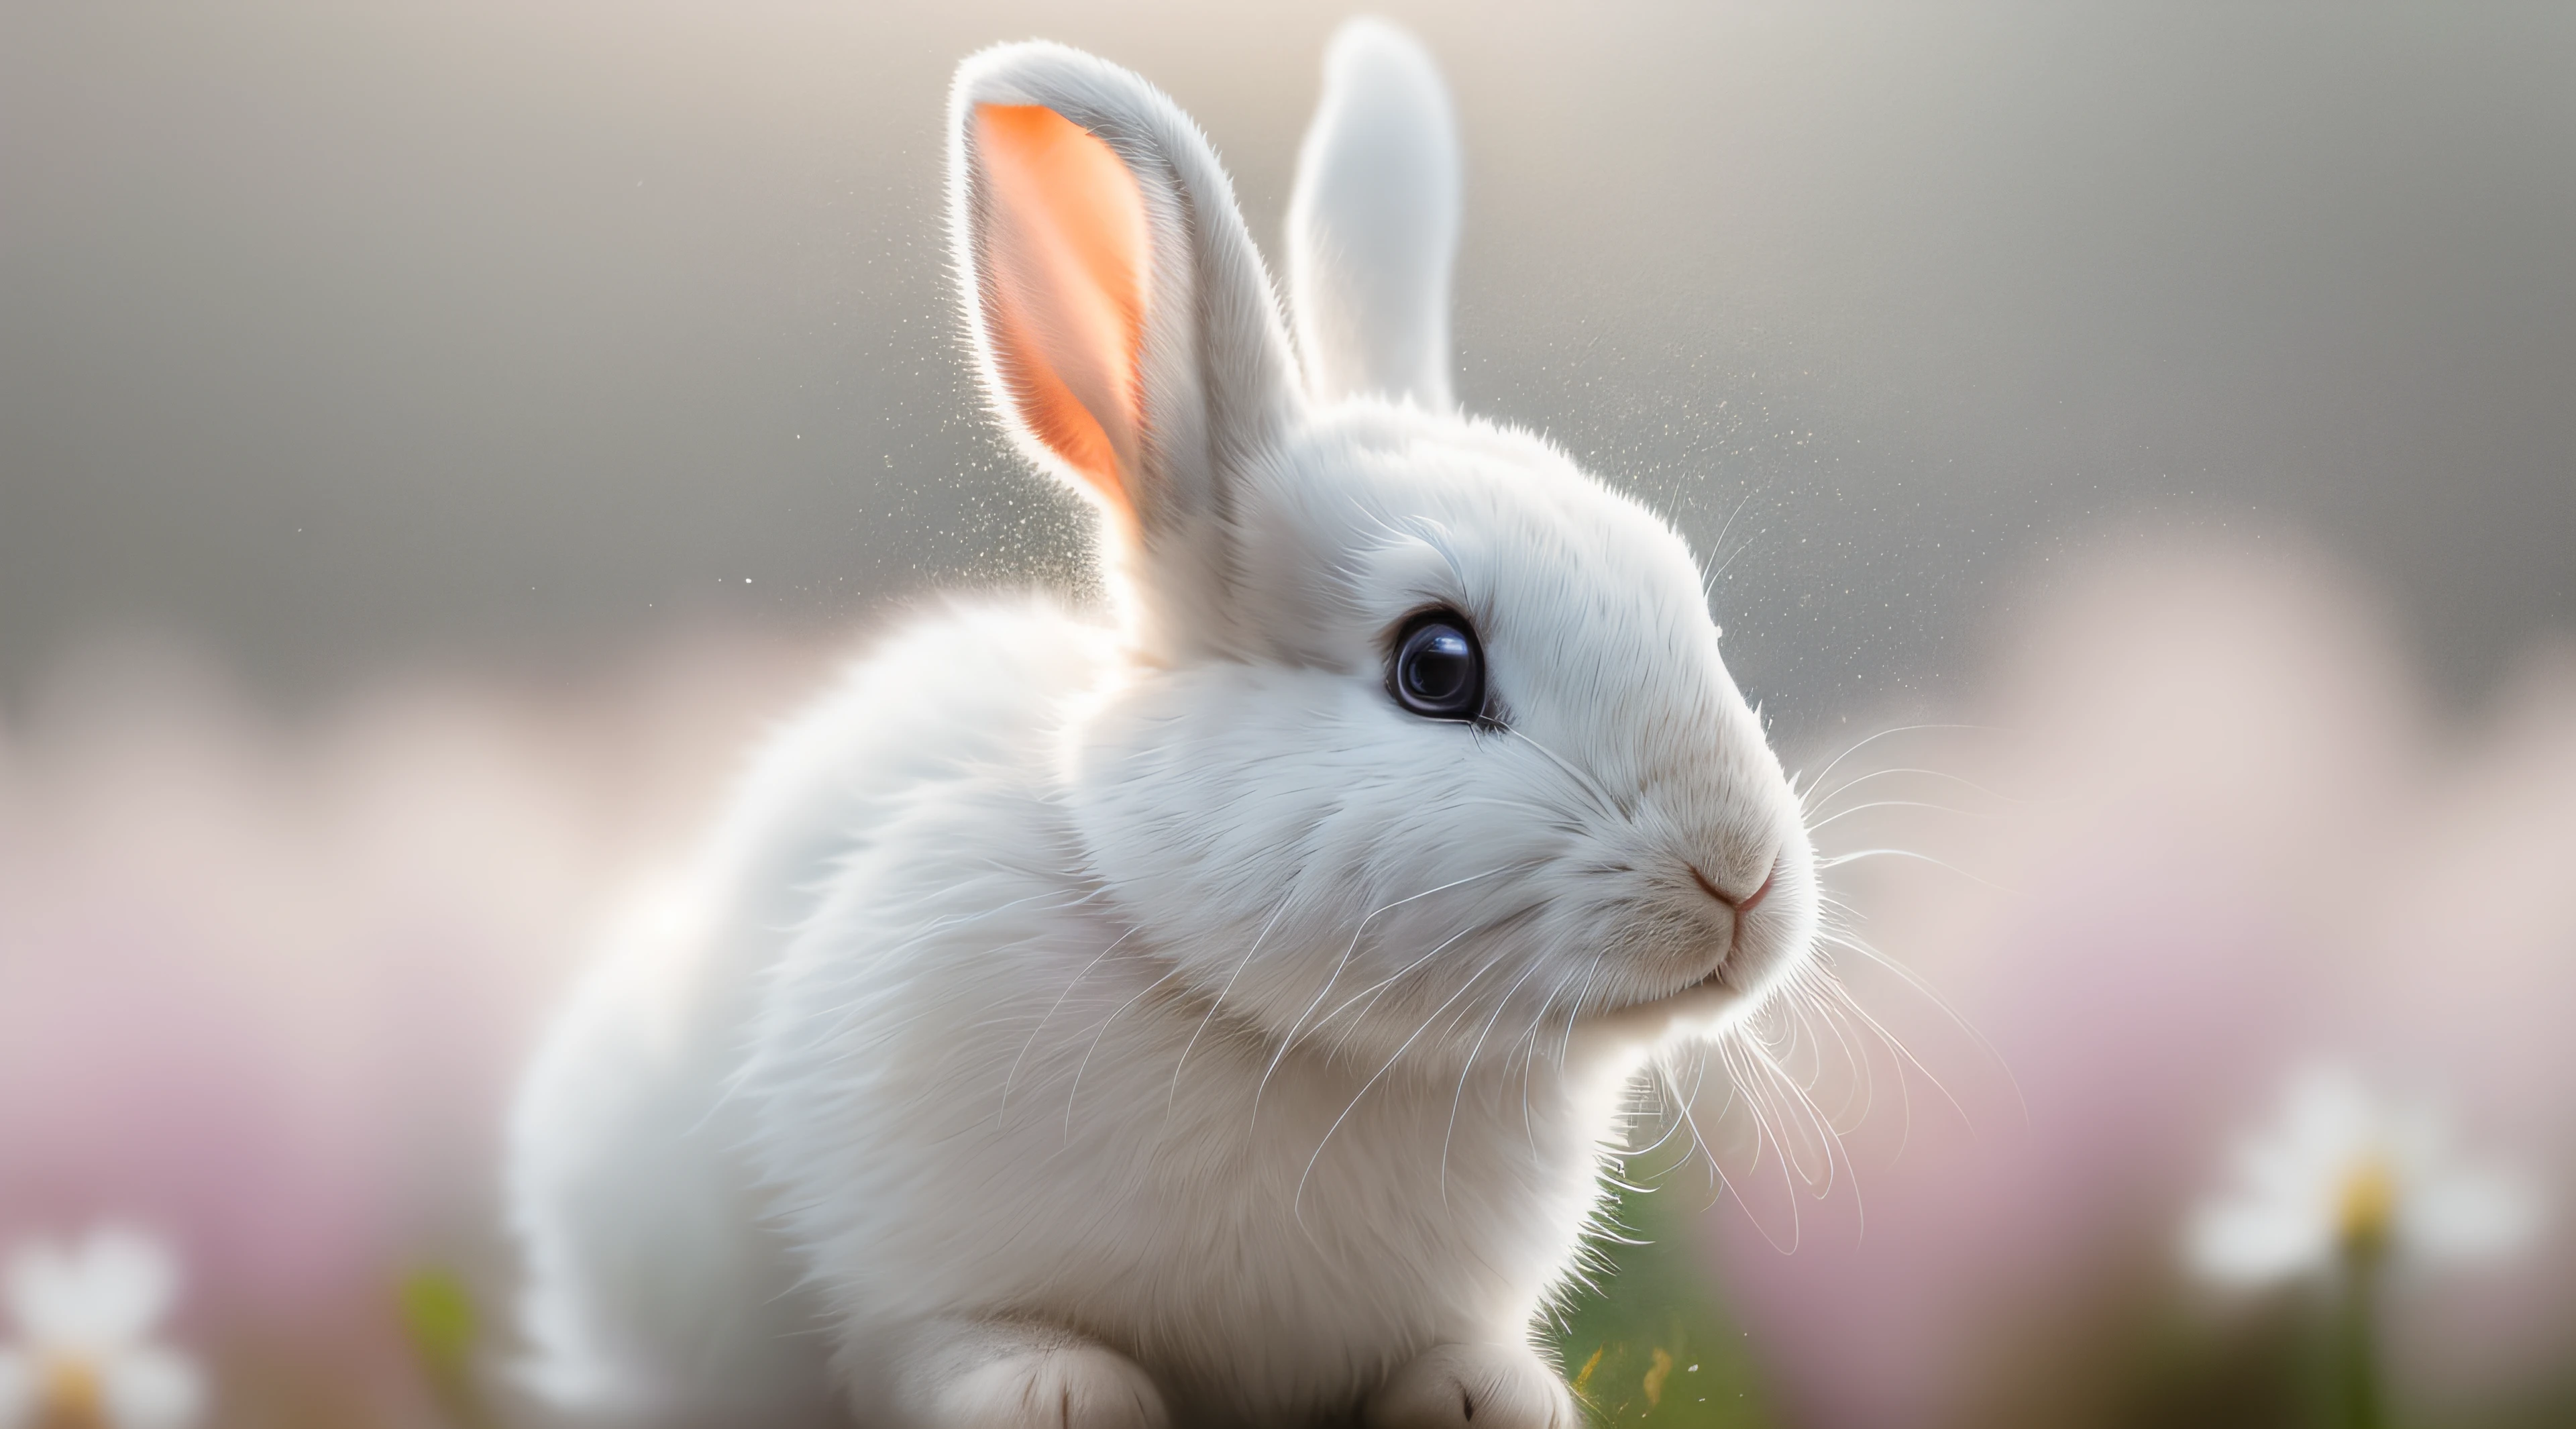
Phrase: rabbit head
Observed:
(1423, 747)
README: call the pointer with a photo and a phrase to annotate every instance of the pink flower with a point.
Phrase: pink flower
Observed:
(2232, 846)
(267, 990)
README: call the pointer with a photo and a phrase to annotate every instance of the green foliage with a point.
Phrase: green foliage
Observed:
(438, 1314)
(439, 1319)
(1652, 1346)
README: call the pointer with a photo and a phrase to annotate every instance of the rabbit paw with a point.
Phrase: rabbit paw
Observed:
(1484, 1386)
(1064, 1385)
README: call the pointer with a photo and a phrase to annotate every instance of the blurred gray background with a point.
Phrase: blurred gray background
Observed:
(339, 337)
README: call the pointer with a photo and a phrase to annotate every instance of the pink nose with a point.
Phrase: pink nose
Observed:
(1760, 893)
(1742, 905)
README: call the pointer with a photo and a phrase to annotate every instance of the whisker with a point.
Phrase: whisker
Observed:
(1296, 1201)
(1815, 824)
(1708, 583)
(1500, 1004)
(1085, 1065)
(1014, 1073)
(1289, 1041)
(1838, 860)
(1868, 740)
(1285, 898)
(1378, 988)
(1932, 995)
(1812, 800)
(1583, 778)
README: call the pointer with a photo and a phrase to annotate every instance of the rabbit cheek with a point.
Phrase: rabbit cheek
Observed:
(1196, 842)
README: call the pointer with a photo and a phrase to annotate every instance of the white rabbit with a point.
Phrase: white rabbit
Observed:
(1215, 1011)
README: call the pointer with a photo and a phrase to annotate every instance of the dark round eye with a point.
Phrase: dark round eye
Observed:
(1439, 670)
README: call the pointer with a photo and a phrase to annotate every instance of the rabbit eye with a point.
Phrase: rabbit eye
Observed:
(1439, 670)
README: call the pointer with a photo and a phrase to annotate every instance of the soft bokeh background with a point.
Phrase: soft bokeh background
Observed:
(436, 439)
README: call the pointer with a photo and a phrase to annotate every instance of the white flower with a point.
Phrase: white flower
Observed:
(2342, 1174)
(85, 1355)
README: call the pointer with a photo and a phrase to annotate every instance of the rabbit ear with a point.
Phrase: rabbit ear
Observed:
(1123, 323)
(1373, 226)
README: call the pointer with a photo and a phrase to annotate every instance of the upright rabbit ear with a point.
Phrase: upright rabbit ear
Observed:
(1125, 328)
(1373, 226)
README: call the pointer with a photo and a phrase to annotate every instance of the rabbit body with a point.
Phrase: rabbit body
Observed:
(1024, 1137)
(1147, 1016)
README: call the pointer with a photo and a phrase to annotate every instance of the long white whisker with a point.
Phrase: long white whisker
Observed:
(1583, 778)
(1500, 1004)
(1932, 995)
(1288, 1041)
(1538, 1027)
(1378, 989)
(1742, 1082)
(1014, 1073)
(1708, 583)
(1218, 1001)
(1815, 824)
(1838, 860)
(1085, 1064)
(1869, 740)
(1817, 795)
(1296, 1201)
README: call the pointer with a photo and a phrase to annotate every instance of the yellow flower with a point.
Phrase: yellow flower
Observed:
(1656, 1374)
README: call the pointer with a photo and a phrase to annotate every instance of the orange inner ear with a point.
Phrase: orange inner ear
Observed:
(1063, 254)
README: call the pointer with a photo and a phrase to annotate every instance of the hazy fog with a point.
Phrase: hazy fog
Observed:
(339, 337)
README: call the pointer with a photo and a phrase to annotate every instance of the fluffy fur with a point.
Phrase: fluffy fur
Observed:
(1373, 224)
(1124, 1022)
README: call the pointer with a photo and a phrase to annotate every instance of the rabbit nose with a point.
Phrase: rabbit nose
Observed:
(1741, 905)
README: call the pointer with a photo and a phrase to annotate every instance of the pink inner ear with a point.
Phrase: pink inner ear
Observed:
(1063, 256)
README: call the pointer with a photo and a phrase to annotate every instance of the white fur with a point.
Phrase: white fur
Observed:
(1151, 1022)
(1373, 224)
